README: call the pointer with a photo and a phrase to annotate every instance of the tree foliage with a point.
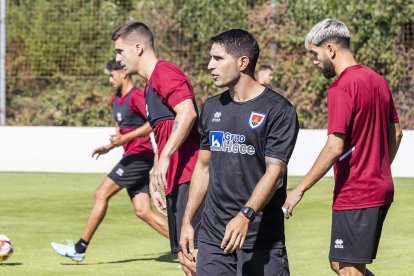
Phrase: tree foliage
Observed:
(57, 50)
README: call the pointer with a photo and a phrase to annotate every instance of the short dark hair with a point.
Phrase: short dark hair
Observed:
(134, 28)
(239, 43)
(113, 65)
(265, 67)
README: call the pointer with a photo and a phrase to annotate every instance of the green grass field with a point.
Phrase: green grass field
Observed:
(37, 208)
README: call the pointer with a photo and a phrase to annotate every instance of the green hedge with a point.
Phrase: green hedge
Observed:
(57, 50)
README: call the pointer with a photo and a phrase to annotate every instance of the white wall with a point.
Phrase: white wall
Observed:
(68, 149)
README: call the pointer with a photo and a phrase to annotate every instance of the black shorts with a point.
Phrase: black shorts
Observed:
(176, 202)
(132, 173)
(211, 260)
(356, 234)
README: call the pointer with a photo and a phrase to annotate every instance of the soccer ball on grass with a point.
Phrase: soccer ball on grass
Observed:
(6, 248)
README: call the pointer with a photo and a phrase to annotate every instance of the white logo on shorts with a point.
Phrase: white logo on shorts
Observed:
(339, 243)
(120, 172)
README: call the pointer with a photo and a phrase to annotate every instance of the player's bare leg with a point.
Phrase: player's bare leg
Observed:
(103, 193)
(188, 267)
(348, 269)
(143, 210)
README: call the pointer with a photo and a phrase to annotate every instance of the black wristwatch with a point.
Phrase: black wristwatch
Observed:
(248, 212)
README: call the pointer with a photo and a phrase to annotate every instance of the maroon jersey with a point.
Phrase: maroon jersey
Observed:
(167, 87)
(129, 113)
(360, 105)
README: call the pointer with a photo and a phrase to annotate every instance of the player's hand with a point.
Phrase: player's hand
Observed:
(118, 139)
(158, 200)
(187, 241)
(99, 151)
(291, 201)
(236, 232)
(159, 173)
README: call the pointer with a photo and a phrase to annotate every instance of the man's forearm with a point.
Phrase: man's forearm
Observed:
(322, 165)
(183, 124)
(395, 136)
(142, 131)
(267, 185)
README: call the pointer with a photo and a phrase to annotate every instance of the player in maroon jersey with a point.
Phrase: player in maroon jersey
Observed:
(132, 172)
(363, 138)
(173, 115)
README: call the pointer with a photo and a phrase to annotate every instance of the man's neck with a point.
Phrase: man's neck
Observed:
(127, 86)
(147, 65)
(245, 89)
(346, 60)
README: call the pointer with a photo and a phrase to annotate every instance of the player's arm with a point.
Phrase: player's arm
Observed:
(184, 120)
(196, 195)
(104, 149)
(157, 198)
(332, 150)
(236, 229)
(120, 139)
(395, 135)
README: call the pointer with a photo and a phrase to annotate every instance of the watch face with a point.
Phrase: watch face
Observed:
(248, 212)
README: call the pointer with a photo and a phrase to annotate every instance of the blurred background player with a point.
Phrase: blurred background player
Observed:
(265, 75)
(172, 113)
(248, 134)
(363, 138)
(132, 172)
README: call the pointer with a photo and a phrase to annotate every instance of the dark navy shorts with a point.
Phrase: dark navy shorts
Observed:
(356, 234)
(176, 202)
(211, 260)
(132, 173)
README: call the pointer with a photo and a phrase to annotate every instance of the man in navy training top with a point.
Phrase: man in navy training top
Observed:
(248, 134)
(132, 172)
(363, 138)
(172, 113)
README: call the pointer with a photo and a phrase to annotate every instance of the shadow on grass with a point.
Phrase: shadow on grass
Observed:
(166, 257)
(10, 264)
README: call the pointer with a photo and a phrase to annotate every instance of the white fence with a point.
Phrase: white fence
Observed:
(68, 149)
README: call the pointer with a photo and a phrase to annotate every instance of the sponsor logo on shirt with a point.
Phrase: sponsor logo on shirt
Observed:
(120, 171)
(217, 116)
(339, 243)
(256, 119)
(119, 116)
(229, 142)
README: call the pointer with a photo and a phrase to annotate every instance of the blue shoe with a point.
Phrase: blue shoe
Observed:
(68, 250)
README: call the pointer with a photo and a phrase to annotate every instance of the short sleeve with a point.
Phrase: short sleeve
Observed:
(282, 134)
(205, 139)
(137, 103)
(172, 84)
(340, 110)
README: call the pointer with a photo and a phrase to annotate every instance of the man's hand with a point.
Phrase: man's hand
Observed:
(158, 201)
(118, 139)
(236, 232)
(187, 241)
(159, 173)
(99, 151)
(291, 201)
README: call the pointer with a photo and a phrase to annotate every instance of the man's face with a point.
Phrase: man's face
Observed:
(116, 78)
(126, 54)
(223, 67)
(266, 76)
(322, 61)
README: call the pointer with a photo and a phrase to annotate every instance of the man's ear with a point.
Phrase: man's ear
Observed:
(139, 49)
(331, 50)
(243, 62)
